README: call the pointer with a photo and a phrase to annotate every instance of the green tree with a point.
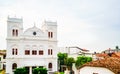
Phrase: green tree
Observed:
(89, 59)
(117, 48)
(20, 71)
(61, 59)
(82, 60)
(69, 62)
(39, 71)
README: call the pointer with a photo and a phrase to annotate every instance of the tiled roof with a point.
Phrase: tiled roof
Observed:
(2, 53)
(111, 63)
(117, 54)
(102, 55)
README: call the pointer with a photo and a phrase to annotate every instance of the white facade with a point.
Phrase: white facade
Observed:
(34, 47)
(95, 70)
(74, 51)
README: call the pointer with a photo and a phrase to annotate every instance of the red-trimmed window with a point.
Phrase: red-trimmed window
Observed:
(14, 66)
(95, 73)
(14, 51)
(13, 32)
(50, 66)
(27, 52)
(50, 34)
(51, 51)
(48, 51)
(41, 52)
(16, 32)
(34, 52)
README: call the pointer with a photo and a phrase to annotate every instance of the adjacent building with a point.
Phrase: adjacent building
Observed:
(34, 47)
(2, 59)
(103, 66)
(74, 51)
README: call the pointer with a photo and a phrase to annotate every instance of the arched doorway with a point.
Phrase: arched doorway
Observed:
(50, 66)
(14, 66)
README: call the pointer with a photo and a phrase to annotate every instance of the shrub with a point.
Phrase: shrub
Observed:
(39, 71)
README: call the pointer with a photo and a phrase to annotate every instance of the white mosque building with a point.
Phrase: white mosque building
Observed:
(34, 47)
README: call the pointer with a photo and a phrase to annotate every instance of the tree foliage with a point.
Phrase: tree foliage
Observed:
(39, 71)
(82, 60)
(117, 47)
(61, 59)
(20, 71)
(69, 61)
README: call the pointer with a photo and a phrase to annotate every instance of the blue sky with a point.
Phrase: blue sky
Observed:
(90, 24)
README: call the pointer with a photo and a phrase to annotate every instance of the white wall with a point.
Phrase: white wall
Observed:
(31, 42)
(91, 70)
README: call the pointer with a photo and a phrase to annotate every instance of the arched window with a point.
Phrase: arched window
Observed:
(50, 34)
(50, 66)
(14, 66)
(51, 52)
(48, 51)
(14, 51)
(13, 32)
(16, 32)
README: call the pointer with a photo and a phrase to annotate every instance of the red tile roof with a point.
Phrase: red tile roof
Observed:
(101, 55)
(2, 53)
(117, 54)
(111, 63)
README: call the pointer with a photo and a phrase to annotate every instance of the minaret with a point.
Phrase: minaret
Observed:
(14, 31)
(14, 27)
(51, 29)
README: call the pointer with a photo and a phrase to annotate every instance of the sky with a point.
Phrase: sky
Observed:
(89, 24)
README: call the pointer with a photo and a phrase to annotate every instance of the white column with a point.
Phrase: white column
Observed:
(30, 70)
